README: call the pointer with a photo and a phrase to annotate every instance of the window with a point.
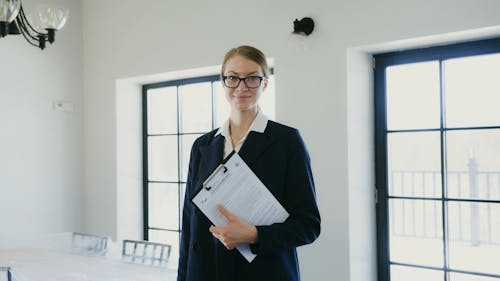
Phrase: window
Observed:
(175, 113)
(438, 163)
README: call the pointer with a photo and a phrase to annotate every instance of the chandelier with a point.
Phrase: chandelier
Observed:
(37, 30)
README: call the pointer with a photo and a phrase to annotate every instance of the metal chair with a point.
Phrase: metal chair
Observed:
(5, 269)
(89, 244)
(145, 252)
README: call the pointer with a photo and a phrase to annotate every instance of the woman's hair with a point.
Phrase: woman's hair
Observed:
(250, 53)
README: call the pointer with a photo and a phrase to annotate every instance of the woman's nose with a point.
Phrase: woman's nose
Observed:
(242, 86)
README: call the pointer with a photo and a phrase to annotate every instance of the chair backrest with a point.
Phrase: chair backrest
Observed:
(146, 252)
(88, 244)
(5, 274)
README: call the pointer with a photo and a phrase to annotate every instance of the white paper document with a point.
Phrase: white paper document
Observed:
(234, 185)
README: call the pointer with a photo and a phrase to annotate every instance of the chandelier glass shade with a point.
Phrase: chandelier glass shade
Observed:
(9, 10)
(37, 29)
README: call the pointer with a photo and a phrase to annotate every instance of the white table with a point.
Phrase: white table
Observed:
(46, 265)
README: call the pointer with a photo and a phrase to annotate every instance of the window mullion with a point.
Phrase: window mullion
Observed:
(179, 157)
(383, 243)
(444, 194)
(145, 164)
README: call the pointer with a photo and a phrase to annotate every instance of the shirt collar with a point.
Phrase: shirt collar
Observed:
(259, 125)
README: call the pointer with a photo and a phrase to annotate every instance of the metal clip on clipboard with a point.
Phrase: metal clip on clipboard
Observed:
(215, 172)
(209, 178)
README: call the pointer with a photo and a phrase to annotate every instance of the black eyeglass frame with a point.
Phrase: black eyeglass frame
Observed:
(244, 79)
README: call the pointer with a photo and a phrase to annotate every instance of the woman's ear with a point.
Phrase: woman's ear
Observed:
(264, 84)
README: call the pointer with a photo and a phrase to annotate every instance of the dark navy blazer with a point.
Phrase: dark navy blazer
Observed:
(280, 159)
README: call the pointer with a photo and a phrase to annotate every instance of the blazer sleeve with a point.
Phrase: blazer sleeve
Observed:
(303, 225)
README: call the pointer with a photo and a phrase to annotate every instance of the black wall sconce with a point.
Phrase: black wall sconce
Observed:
(304, 26)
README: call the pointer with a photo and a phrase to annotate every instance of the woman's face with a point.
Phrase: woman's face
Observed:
(243, 98)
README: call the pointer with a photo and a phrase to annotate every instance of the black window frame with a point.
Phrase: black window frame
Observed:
(145, 167)
(382, 61)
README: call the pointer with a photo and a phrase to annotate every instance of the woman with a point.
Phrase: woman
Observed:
(277, 155)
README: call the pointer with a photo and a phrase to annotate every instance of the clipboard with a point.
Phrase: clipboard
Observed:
(235, 186)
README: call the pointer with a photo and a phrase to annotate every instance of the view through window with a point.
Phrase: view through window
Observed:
(175, 113)
(438, 163)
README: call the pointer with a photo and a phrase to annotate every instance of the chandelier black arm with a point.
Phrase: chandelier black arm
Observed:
(27, 26)
(33, 37)
(29, 38)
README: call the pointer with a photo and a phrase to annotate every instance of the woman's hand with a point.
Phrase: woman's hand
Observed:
(236, 231)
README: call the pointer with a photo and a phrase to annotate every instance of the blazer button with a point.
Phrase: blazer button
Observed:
(195, 247)
(197, 212)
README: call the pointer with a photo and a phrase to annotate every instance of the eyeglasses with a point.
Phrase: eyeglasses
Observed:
(251, 82)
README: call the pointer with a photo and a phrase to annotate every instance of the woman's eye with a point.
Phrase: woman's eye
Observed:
(233, 78)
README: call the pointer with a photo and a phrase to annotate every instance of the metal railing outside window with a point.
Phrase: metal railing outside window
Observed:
(467, 182)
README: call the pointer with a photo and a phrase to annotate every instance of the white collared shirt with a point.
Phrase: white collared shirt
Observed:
(259, 125)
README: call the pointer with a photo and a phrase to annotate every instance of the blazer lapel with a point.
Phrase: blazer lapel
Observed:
(255, 145)
(211, 155)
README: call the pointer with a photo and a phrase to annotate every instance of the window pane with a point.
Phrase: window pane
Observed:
(162, 110)
(187, 143)
(413, 96)
(415, 232)
(470, 277)
(196, 107)
(414, 165)
(474, 164)
(164, 205)
(406, 273)
(222, 108)
(169, 238)
(162, 153)
(472, 88)
(474, 236)
(267, 99)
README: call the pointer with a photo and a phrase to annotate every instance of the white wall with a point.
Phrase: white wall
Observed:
(41, 163)
(126, 39)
